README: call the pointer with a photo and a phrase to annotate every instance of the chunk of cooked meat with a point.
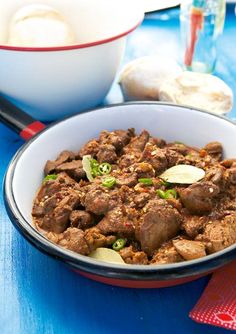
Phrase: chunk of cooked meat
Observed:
(219, 234)
(106, 153)
(193, 225)
(143, 170)
(51, 165)
(56, 218)
(49, 194)
(74, 240)
(198, 198)
(90, 148)
(159, 223)
(229, 204)
(120, 220)
(180, 148)
(166, 254)
(227, 163)
(141, 199)
(65, 180)
(132, 256)
(137, 143)
(231, 175)
(127, 179)
(216, 176)
(47, 189)
(159, 142)
(73, 168)
(46, 206)
(97, 201)
(214, 149)
(189, 249)
(117, 138)
(156, 157)
(81, 219)
(173, 157)
(128, 159)
(95, 239)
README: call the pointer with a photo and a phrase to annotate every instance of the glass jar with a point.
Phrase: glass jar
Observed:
(202, 21)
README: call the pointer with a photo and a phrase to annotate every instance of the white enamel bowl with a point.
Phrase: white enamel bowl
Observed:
(50, 83)
(173, 123)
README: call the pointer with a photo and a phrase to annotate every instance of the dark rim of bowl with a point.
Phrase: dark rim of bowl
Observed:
(72, 46)
(84, 262)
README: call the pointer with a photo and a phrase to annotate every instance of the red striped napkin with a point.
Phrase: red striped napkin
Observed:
(217, 305)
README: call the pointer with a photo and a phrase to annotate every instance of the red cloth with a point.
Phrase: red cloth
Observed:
(217, 305)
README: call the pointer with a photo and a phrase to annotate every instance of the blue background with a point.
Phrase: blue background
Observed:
(38, 295)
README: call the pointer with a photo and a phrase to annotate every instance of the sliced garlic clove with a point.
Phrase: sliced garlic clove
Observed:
(183, 174)
(106, 255)
(86, 163)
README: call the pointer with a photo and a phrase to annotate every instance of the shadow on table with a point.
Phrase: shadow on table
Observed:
(53, 299)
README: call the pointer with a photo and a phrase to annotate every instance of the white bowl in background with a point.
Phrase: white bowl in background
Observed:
(53, 82)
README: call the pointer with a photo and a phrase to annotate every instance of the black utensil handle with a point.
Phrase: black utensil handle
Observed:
(18, 120)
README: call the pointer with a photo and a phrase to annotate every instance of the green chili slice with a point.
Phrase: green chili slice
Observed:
(94, 163)
(99, 169)
(50, 177)
(109, 181)
(146, 180)
(171, 193)
(104, 168)
(95, 172)
(161, 193)
(94, 167)
(119, 244)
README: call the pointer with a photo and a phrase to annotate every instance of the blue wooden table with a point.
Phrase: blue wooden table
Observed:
(38, 295)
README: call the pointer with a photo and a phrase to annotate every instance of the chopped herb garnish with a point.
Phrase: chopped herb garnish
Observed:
(119, 244)
(147, 181)
(109, 181)
(50, 177)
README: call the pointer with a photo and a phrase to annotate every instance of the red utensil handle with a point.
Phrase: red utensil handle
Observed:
(18, 120)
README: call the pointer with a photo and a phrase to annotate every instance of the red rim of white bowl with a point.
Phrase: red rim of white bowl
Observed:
(72, 46)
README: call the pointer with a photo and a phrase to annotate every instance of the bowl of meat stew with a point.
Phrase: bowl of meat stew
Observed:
(139, 194)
